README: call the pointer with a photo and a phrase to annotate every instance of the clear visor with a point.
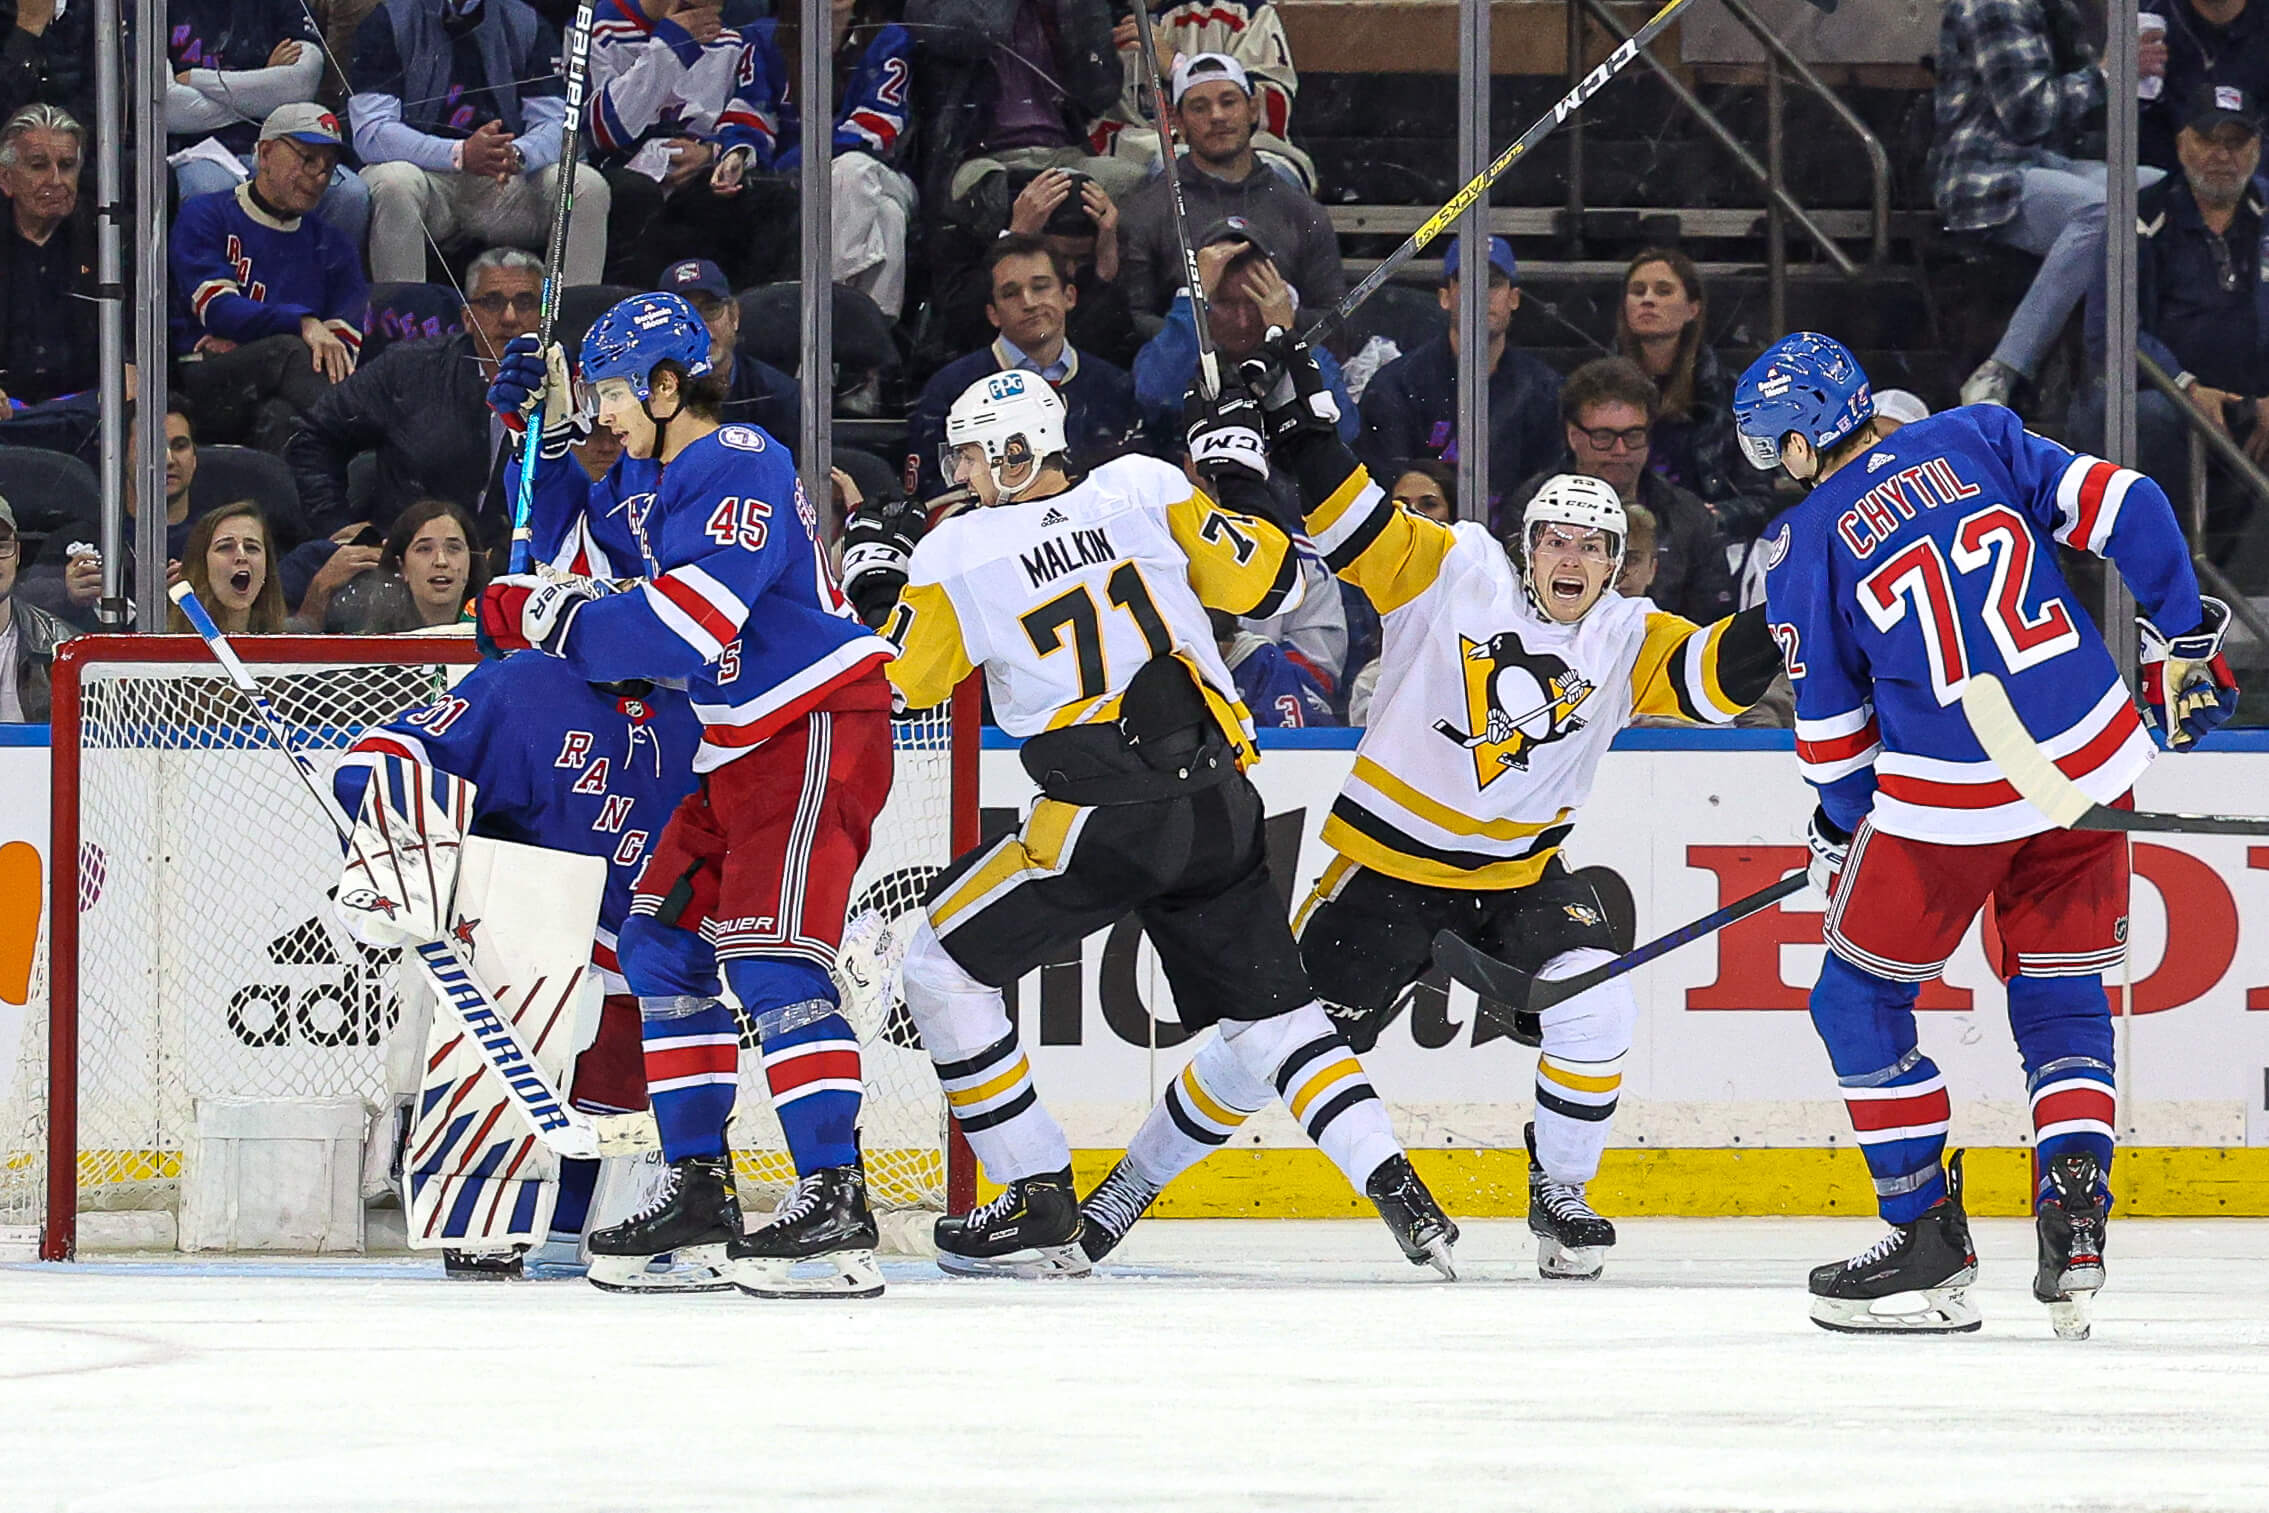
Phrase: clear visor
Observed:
(1559, 539)
(1764, 455)
(950, 459)
(589, 396)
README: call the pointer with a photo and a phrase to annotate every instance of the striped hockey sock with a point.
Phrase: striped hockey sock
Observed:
(1574, 1102)
(693, 1050)
(998, 1109)
(1899, 1114)
(817, 1092)
(2073, 1109)
(1305, 1058)
(1197, 1114)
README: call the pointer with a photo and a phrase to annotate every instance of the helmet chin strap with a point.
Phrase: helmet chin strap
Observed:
(661, 422)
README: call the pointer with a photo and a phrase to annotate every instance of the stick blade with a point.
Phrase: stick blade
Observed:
(1994, 721)
(1477, 969)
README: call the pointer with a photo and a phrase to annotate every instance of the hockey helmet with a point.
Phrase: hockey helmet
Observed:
(1586, 503)
(639, 334)
(1806, 383)
(1016, 417)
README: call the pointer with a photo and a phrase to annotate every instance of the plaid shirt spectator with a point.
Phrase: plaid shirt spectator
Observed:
(2014, 78)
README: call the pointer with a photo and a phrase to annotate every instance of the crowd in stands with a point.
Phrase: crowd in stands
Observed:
(361, 208)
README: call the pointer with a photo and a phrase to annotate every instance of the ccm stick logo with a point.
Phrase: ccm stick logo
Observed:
(480, 1016)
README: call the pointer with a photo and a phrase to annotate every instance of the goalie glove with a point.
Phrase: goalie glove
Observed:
(2188, 688)
(525, 379)
(1830, 845)
(1225, 434)
(530, 609)
(399, 884)
(878, 549)
(1284, 376)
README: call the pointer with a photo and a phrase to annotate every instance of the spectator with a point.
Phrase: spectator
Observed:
(2016, 85)
(430, 566)
(47, 57)
(1898, 407)
(1079, 223)
(229, 562)
(1032, 294)
(1279, 692)
(1245, 295)
(1217, 114)
(1247, 31)
(317, 574)
(1009, 84)
(1410, 406)
(755, 392)
(234, 64)
(68, 580)
(1429, 488)
(28, 636)
(457, 107)
(48, 290)
(1639, 560)
(270, 300)
(2205, 42)
(597, 452)
(1662, 325)
(1605, 406)
(422, 406)
(682, 111)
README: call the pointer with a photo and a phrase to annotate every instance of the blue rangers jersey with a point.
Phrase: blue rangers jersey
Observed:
(871, 109)
(554, 762)
(583, 527)
(736, 598)
(1932, 557)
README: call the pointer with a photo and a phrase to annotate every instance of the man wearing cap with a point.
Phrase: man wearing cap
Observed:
(1216, 114)
(270, 298)
(1410, 405)
(755, 392)
(1248, 32)
(2200, 42)
(28, 636)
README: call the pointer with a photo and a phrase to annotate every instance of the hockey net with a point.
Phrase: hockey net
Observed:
(187, 950)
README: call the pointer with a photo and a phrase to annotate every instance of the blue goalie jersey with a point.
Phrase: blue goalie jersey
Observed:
(554, 762)
(1932, 557)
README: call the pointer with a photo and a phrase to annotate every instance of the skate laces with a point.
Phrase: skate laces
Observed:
(1119, 1202)
(801, 1200)
(1564, 1200)
(985, 1215)
(1876, 1252)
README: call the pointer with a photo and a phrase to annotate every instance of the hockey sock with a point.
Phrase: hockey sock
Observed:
(2063, 1030)
(1895, 1096)
(1197, 1114)
(988, 1084)
(811, 1057)
(1305, 1058)
(577, 1180)
(1580, 1074)
(693, 1052)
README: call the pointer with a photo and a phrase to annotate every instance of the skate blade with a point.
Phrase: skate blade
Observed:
(2073, 1317)
(838, 1274)
(697, 1268)
(1933, 1310)
(1438, 1256)
(1569, 1263)
(1040, 1262)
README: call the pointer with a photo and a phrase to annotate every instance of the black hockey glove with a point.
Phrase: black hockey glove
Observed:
(1224, 434)
(1283, 375)
(878, 546)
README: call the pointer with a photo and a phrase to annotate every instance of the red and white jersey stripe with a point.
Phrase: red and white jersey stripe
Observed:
(1838, 745)
(1970, 803)
(2088, 498)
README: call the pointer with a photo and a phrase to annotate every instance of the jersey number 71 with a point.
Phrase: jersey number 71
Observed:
(1917, 577)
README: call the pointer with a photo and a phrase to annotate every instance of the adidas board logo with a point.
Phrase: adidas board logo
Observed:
(1879, 461)
(1052, 518)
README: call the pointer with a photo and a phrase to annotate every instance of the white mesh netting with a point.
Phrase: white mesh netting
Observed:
(209, 965)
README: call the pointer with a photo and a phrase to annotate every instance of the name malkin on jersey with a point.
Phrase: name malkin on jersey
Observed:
(1059, 555)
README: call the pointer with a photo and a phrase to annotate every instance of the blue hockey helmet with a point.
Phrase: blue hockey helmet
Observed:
(642, 331)
(1806, 383)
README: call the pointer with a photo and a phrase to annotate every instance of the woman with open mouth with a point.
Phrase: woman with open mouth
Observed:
(227, 561)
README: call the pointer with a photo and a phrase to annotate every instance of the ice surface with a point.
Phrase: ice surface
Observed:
(1224, 1365)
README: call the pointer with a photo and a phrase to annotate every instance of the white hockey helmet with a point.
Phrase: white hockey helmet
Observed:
(1017, 417)
(1573, 499)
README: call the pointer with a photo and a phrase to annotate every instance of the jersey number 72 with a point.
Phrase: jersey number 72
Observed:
(1998, 538)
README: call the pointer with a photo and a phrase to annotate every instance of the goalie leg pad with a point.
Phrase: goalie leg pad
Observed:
(1579, 1076)
(811, 1057)
(1305, 1058)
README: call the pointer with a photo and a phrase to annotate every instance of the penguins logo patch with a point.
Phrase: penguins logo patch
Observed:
(1582, 914)
(1515, 701)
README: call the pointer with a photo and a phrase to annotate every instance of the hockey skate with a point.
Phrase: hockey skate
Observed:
(1031, 1230)
(1570, 1237)
(1417, 1222)
(1112, 1209)
(2070, 1226)
(1912, 1281)
(690, 1220)
(819, 1243)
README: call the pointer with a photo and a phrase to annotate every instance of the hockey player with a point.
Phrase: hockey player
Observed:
(754, 871)
(1917, 560)
(1084, 600)
(551, 761)
(1503, 681)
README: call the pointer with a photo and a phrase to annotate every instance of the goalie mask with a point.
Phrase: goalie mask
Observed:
(1571, 546)
(1016, 419)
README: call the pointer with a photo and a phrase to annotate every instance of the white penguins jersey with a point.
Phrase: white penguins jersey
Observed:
(1489, 719)
(1063, 600)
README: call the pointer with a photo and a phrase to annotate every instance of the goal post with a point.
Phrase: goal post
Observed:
(190, 954)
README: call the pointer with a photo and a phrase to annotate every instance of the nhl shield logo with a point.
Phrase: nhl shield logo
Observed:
(1515, 701)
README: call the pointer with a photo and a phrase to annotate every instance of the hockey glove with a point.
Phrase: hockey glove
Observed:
(1224, 434)
(2188, 689)
(1830, 844)
(526, 378)
(878, 548)
(401, 869)
(1284, 376)
(524, 610)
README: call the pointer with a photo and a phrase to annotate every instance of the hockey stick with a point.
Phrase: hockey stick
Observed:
(577, 73)
(1503, 981)
(566, 1129)
(2029, 769)
(1209, 363)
